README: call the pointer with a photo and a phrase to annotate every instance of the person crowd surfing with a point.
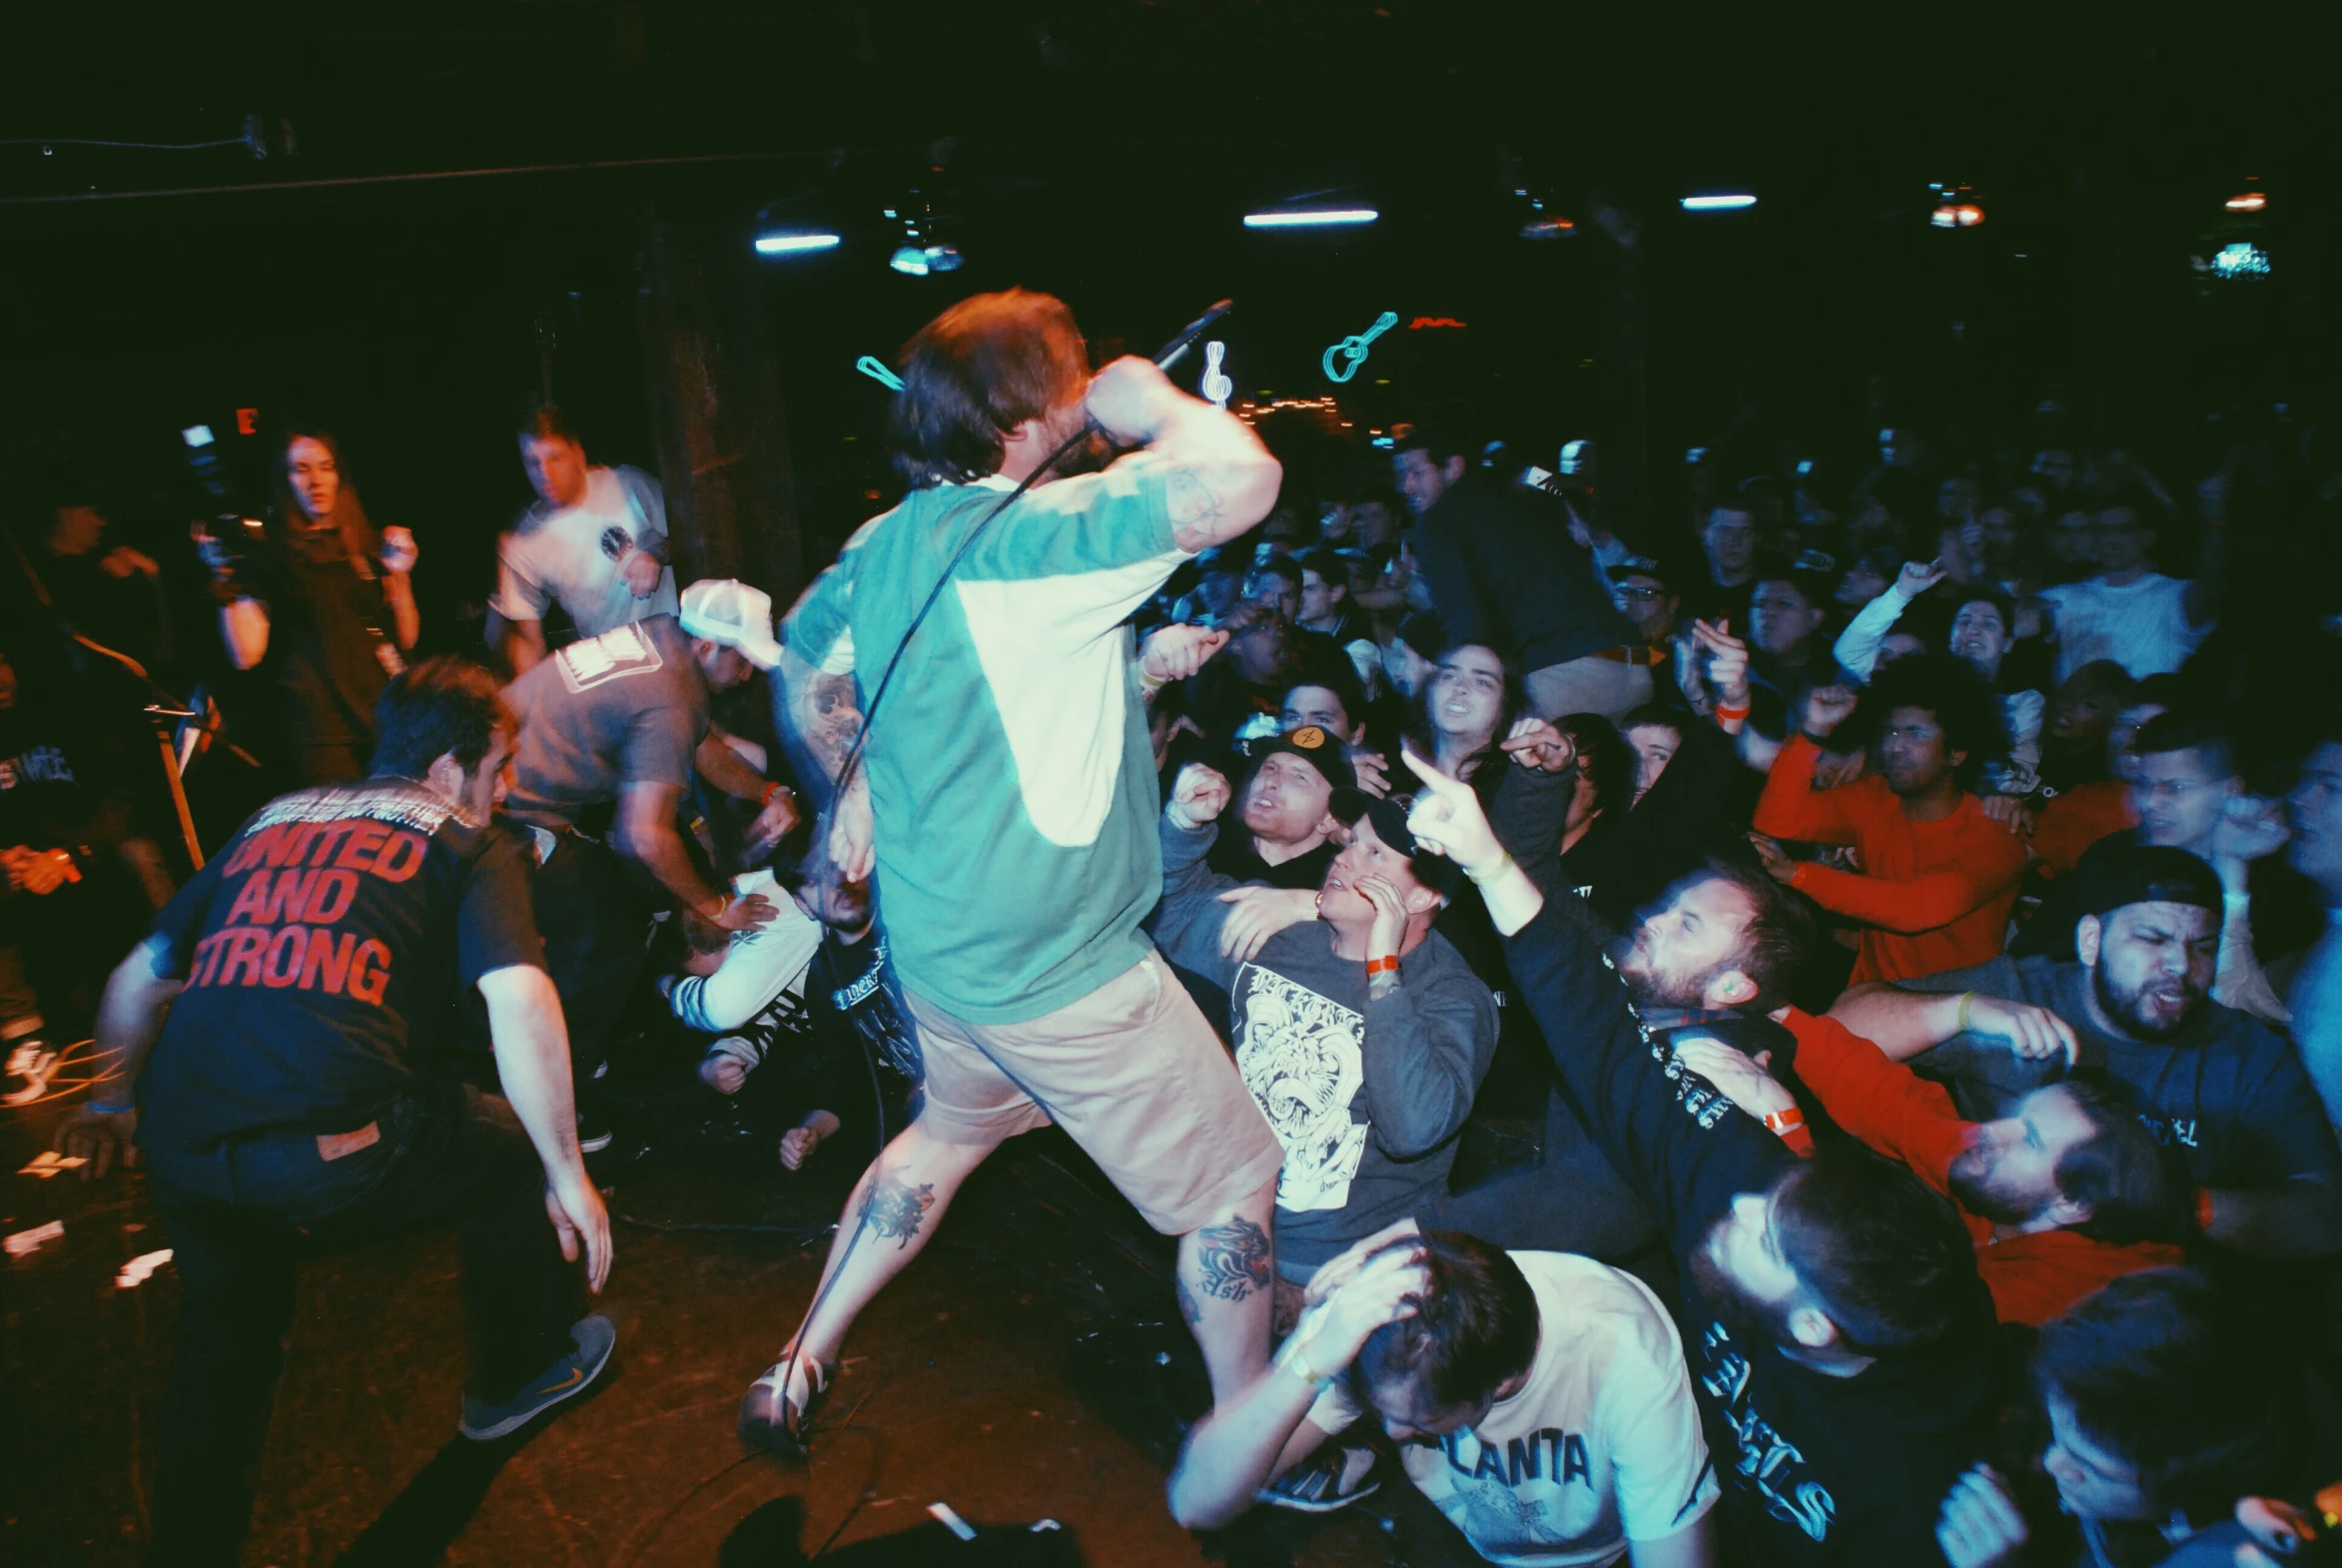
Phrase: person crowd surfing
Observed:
(1799, 1035)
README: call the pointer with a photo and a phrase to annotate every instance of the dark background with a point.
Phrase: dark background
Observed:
(1104, 150)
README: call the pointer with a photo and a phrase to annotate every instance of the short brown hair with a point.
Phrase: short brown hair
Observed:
(447, 705)
(976, 372)
(545, 422)
(1474, 1327)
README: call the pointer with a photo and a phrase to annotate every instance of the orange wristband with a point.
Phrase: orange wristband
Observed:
(1789, 1127)
(1381, 965)
(2203, 1209)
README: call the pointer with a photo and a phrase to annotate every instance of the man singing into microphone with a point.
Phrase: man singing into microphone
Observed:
(1008, 789)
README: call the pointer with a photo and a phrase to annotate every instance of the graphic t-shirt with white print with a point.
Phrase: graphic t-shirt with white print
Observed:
(1600, 1447)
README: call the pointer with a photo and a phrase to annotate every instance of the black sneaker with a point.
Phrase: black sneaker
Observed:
(592, 1341)
(1332, 1477)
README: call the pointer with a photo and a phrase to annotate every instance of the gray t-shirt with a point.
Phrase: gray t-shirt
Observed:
(1366, 1094)
(2226, 1089)
(626, 707)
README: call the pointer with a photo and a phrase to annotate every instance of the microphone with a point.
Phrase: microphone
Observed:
(1179, 346)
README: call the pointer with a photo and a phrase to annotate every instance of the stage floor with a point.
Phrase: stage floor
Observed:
(1029, 1365)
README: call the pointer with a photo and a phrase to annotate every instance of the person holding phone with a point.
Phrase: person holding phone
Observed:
(326, 605)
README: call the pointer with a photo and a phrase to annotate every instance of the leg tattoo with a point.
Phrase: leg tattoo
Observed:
(1235, 1258)
(895, 1209)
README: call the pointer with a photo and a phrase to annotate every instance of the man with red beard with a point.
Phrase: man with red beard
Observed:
(2220, 1084)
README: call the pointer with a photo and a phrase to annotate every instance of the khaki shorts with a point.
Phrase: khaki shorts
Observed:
(1136, 1076)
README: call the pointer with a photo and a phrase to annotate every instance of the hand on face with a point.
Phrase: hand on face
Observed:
(1386, 936)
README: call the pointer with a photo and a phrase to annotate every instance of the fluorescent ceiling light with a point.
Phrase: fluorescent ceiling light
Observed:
(1311, 219)
(788, 244)
(1718, 203)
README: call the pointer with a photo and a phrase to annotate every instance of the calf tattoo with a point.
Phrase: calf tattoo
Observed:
(1233, 1260)
(895, 1209)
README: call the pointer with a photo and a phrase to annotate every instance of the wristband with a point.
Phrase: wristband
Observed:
(1502, 866)
(1152, 681)
(1381, 965)
(771, 790)
(1968, 998)
(1820, 742)
(724, 905)
(1789, 1127)
(1294, 1359)
(113, 1110)
(1734, 715)
(2203, 1209)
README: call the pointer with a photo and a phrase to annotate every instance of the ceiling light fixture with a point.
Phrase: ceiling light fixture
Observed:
(793, 242)
(1311, 218)
(1721, 201)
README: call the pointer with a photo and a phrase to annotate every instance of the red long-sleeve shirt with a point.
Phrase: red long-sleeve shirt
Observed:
(1935, 894)
(2079, 818)
(1892, 1110)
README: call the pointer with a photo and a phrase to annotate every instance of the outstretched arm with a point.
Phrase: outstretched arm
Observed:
(1665, 1130)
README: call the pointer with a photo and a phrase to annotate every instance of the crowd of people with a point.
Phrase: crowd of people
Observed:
(1881, 910)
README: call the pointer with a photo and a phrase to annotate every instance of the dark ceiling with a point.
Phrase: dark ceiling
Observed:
(1102, 149)
(1848, 100)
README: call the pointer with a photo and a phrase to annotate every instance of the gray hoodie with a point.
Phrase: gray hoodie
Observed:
(1365, 1094)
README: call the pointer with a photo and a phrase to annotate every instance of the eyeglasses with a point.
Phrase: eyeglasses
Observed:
(1640, 595)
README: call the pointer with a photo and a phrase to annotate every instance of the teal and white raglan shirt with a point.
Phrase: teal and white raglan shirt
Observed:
(1011, 774)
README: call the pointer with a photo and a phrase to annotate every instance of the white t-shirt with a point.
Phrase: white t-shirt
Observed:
(2141, 625)
(759, 964)
(570, 556)
(1601, 1447)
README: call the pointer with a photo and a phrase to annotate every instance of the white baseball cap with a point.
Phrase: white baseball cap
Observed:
(734, 614)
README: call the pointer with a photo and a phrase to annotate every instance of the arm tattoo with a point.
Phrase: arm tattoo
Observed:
(1191, 1309)
(895, 1209)
(1193, 510)
(1234, 1260)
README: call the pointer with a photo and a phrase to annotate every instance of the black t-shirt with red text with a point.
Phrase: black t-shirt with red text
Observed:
(337, 925)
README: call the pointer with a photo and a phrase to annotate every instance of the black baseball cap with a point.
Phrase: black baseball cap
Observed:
(1390, 825)
(1313, 746)
(2114, 873)
(1639, 567)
